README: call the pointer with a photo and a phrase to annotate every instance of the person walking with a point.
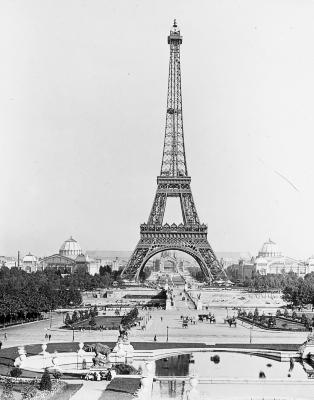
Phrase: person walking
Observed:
(49, 337)
(5, 336)
(155, 338)
(0, 344)
(160, 319)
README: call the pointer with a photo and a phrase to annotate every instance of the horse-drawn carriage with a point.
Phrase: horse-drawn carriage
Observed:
(208, 317)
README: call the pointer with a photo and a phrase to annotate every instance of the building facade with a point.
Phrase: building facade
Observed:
(71, 258)
(269, 260)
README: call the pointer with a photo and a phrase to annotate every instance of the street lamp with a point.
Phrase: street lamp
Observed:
(251, 329)
(167, 333)
(73, 334)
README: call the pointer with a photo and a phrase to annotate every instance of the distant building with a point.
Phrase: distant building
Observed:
(8, 262)
(70, 259)
(29, 263)
(269, 261)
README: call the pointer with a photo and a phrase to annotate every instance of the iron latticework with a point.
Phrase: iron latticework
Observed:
(173, 181)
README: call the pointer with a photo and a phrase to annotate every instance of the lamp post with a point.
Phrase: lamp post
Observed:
(167, 333)
(251, 329)
(50, 317)
(73, 334)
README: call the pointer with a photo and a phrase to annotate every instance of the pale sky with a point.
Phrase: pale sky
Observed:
(83, 99)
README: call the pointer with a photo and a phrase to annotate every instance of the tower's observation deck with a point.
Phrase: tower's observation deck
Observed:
(174, 37)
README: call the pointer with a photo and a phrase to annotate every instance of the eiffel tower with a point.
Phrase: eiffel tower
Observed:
(174, 181)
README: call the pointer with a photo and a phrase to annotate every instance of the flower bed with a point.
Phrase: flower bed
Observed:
(281, 324)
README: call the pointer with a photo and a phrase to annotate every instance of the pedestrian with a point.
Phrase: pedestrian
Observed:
(49, 337)
(46, 336)
(5, 336)
(155, 338)
(160, 319)
(0, 344)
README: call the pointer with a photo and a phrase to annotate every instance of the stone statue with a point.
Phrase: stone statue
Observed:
(102, 352)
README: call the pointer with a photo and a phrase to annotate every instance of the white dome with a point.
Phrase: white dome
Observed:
(269, 249)
(29, 258)
(70, 248)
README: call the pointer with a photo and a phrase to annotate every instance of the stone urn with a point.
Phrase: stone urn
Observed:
(44, 348)
(80, 351)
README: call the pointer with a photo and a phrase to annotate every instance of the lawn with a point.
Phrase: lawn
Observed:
(284, 324)
(108, 322)
(121, 389)
(68, 392)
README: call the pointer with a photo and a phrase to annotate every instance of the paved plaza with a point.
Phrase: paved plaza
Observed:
(158, 321)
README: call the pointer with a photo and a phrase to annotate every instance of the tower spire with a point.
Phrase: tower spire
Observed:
(173, 159)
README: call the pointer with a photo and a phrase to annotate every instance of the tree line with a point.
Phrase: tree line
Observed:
(24, 296)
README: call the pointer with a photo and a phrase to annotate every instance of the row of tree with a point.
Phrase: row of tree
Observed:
(300, 292)
(80, 315)
(24, 296)
(269, 282)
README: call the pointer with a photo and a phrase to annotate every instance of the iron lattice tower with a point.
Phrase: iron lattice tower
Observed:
(174, 181)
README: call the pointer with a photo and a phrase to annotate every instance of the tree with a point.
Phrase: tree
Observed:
(303, 319)
(256, 314)
(294, 315)
(68, 320)
(75, 317)
(45, 382)
(263, 318)
(286, 314)
(106, 269)
(278, 313)
(92, 322)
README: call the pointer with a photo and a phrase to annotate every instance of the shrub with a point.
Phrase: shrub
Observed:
(278, 313)
(92, 321)
(286, 314)
(16, 372)
(125, 369)
(7, 393)
(29, 392)
(303, 319)
(256, 314)
(215, 359)
(129, 318)
(75, 317)
(56, 374)
(294, 315)
(250, 315)
(68, 320)
(262, 375)
(262, 318)
(45, 382)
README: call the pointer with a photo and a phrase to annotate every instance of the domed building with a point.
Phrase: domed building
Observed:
(271, 261)
(70, 259)
(269, 249)
(70, 248)
(29, 263)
